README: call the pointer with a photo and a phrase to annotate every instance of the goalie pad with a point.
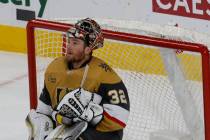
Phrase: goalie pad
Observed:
(39, 125)
(64, 132)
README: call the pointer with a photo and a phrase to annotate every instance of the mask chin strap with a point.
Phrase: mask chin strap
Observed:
(84, 76)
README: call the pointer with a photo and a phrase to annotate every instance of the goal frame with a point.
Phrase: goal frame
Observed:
(121, 36)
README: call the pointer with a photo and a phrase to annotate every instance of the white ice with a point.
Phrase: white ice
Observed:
(14, 99)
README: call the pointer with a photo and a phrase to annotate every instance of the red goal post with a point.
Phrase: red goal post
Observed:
(127, 37)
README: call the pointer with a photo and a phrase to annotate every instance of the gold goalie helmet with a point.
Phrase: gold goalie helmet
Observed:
(89, 31)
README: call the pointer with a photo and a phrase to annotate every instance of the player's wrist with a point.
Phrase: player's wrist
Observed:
(60, 119)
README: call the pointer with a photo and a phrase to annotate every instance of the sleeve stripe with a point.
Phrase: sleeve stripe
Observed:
(114, 119)
(117, 112)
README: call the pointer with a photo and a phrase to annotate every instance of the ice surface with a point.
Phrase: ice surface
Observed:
(14, 99)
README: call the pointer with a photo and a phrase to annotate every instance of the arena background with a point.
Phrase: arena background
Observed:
(15, 14)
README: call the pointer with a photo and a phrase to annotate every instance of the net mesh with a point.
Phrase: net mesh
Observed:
(154, 105)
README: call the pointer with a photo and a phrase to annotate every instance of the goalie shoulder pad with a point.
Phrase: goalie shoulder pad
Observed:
(39, 125)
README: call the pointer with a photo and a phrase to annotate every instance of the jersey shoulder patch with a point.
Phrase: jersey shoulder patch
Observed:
(105, 72)
(101, 65)
(105, 67)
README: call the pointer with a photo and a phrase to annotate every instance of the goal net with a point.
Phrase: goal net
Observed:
(165, 69)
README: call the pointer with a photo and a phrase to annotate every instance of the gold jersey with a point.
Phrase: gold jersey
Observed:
(98, 78)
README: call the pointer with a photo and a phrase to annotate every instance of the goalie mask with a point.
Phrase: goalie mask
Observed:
(89, 31)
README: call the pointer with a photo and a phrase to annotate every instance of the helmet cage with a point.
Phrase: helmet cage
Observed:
(74, 32)
(89, 31)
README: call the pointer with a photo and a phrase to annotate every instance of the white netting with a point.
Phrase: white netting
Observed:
(148, 29)
(154, 105)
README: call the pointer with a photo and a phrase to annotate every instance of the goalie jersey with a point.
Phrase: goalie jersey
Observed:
(60, 79)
